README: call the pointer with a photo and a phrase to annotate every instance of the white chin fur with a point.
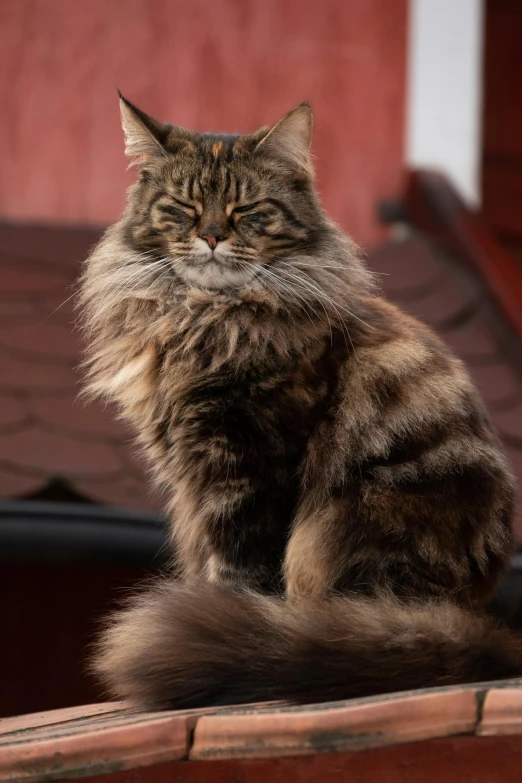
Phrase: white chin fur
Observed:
(215, 276)
(214, 273)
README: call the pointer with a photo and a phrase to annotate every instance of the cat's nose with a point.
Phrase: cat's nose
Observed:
(210, 240)
(212, 234)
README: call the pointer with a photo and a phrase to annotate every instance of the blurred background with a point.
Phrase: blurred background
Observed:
(418, 143)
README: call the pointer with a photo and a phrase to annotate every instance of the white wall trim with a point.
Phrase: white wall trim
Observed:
(444, 90)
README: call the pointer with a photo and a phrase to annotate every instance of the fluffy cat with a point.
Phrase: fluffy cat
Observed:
(341, 507)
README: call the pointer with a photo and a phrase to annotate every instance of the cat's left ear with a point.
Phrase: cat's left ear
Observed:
(144, 136)
(290, 139)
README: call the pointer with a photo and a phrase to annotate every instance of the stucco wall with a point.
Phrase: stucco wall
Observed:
(208, 64)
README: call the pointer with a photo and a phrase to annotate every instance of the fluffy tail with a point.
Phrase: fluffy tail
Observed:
(179, 646)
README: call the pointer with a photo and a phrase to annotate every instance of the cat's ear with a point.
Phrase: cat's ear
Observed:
(144, 136)
(289, 140)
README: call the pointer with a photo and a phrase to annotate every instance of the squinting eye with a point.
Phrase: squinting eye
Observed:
(246, 208)
(195, 213)
(184, 205)
(167, 209)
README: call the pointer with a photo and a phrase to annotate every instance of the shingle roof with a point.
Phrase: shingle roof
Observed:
(47, 435)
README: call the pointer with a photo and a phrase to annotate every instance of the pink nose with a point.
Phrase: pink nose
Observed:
(210, 240)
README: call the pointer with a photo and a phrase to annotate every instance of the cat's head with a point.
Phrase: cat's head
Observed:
(217, 208)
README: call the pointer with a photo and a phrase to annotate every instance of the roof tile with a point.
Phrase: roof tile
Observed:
(406, 266)
(18, 282)
(34, 377)
(60, 247)
(58, 455)
(123, 491)
(96, 740)
(474, 340)
(69, 414)
(501, 712)
(16, 311)
(49, 341)
(443, 305)
(335, 727)
(498, 384)
(12, 411)
(15, 484)
(509, 423)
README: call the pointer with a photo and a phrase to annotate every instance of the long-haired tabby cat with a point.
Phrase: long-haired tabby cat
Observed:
(340, 504)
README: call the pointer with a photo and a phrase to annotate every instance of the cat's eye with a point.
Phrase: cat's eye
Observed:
(168, 209)
(177, 208)
(245, 208)
(185, 205)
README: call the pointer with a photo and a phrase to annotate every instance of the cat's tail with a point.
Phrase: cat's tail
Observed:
(180, 646)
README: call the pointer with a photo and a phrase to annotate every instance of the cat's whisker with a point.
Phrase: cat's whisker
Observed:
(319, 295)
(291, 289)
(123, 285)
(323, 293)
(166, 272)
(264, 283)
(74, 294)
(319, 266)
(264, 271)
(315, 299)
(128, 283)
(341, 320)
(344, 327)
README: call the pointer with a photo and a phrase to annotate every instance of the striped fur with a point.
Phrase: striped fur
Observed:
(312, 439)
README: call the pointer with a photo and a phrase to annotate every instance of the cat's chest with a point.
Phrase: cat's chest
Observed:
(255, 418)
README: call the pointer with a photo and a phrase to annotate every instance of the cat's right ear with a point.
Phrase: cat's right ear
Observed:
(144, 136)
(289, 140)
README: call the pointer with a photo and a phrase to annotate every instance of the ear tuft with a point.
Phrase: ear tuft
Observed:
(290, 139)
(143, 134)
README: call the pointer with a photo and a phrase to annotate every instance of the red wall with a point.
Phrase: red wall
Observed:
(208, 64)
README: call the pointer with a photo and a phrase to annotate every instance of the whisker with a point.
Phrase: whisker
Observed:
(297, 263)
(328, 298)
(123, 286)
(58, 308)
(264, 282)
(290, 289)
(319, 293)
(75, 292)
(268, 272)
(319, 302)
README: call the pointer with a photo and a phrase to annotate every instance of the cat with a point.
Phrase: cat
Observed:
(341, 507)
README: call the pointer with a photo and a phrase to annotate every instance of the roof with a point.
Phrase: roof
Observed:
(308, 742)
(50, 441)
(53, 444)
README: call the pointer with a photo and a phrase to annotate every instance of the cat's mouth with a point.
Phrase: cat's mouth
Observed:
(213, 258)
(215, 272)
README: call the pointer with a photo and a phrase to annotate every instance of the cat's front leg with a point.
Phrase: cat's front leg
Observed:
(246, 540)
(227, 532)
(314, 557)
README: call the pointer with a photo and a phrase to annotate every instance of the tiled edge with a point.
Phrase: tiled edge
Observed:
(501, 712)
(140, 744)
(99, 739)
(33, 720)
(347, 728)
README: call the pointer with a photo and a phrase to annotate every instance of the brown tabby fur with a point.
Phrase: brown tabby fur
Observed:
(315, 442)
